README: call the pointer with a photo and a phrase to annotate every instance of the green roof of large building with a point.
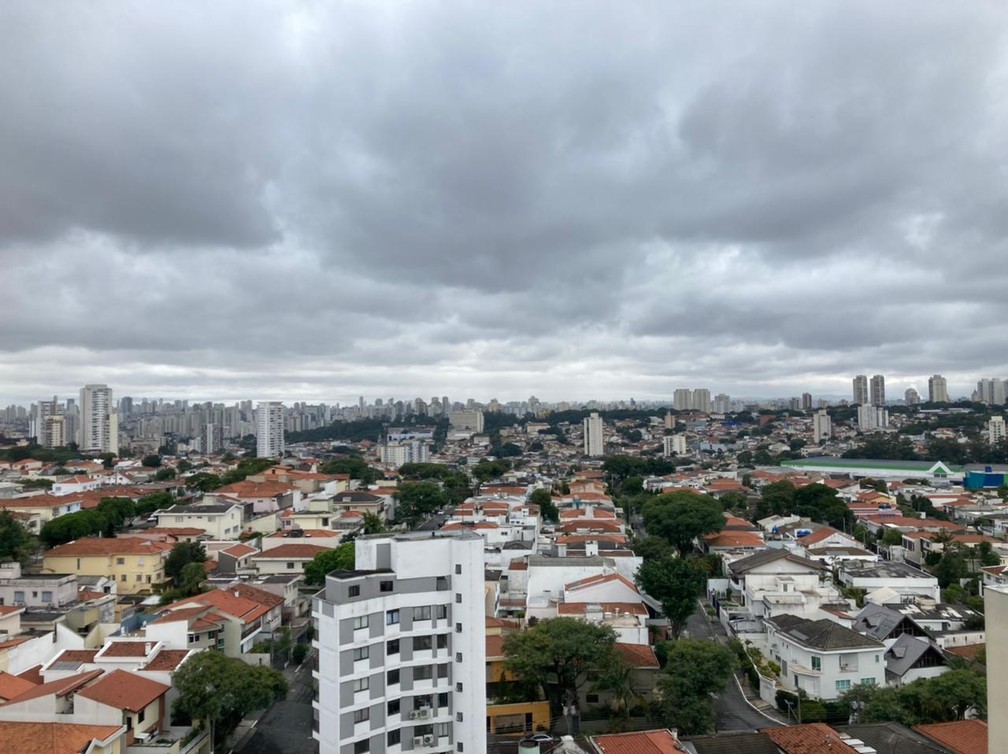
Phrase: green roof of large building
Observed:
(868, 463)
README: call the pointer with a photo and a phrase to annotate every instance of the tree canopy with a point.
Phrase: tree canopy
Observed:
(558, 654)
(351, 464)
(676, 583)
(222, 689)
(544, 499)
(417, 500)
(927, 700)
(16, 543)
(682, 516)
(694, 669)
(340, 558)
(814, 501)
(181, 555)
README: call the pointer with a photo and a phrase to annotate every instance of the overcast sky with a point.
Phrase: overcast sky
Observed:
(313, 201)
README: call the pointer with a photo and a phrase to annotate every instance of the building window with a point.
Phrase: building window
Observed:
(361, 653)
(441, 612)
(458, 569)
(458, 657)
(392, 647)
(421, 643)
(869, 682)
(361, 715)
(441, 584)
(385, 586)
(290, 566)
(47, 596)
(458, 687)
(362, 747)
(392, 618)
(123, 577)
(120, 561)
(393, 707)
(442, 641)
(393, 737)
(458, 717)
(354, 591)
(458, 598)
(361, 684)
(458, 628)
(442, 700)
(140, 716)
(422, 673)
(393, 677)
(816, 662)
(458, 746)
(843, 686)
(361, 621)
(421, 613)
(443, 730)
(139, 578)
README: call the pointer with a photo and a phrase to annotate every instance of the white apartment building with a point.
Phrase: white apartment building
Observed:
(470, 419)
(872, 417)
(822, 426)
(592, 426)
(402, 648)
(406, 451)
(674, 445)
(860, 392)
(269, 429)
(99, 423)
(995, 429)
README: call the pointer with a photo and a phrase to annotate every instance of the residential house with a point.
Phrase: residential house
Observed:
(286, 559)
(821, 657)
(221, 521)
(52, 590)
(903, 579)
(136, 565)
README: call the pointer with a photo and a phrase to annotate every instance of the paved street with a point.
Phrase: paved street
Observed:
(286, 728)
(731, 709)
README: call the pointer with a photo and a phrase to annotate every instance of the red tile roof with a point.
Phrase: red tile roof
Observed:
(812, 738)
(127, 649)
(11, 686)
(109, 546)
(645, 742)
(591, 581)
(123, 690)
(961, 736)
(167, 659)
(291, 552)
(53, 738)
(59, 687)
(637, 655)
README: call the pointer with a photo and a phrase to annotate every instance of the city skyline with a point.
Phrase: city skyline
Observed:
(317, 202)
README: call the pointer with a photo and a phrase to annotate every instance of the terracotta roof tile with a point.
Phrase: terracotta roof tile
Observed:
(59, 687)
(11, 686)
(53, 738)
(645, 742)
(961, 736)
(167, 659)
(291, 551)
(127, 649)
(123, 690)
(812, 738)
(109, 546)
(637, 655)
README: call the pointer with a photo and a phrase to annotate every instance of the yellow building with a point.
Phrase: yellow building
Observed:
(517, 719)
(136, 564)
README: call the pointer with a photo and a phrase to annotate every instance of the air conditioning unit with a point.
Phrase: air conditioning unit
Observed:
(414, 714)
(418, 740)
(425, 712)
(428, 740)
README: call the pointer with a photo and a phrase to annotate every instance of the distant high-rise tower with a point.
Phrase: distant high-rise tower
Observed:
(877, 390)
(995, 429)
(701, 400)
(99, 424)
(937, 389)
(269, 429)
(991, 391)
(911, 397)
(722, 403)
(806, 401)
(860, 390)
(682, 399)
(593, 435)
(822, 426)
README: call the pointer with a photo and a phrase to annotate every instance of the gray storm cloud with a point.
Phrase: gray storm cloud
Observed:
(310, 200)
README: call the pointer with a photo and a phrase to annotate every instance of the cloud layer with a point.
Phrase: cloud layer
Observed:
(319, 200)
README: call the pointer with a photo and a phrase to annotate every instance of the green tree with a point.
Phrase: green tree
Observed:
(694, 671)
(152, 461)
(204, 482)
(221, 690)
(353, 465)
(16, 543)
(164, 474)
(340, 558)
(559, 654)
(71, 526)
(676, 584)
(190, 579)
(181, 555)
(154, 502)
(373, 524)
(682, 516)
(544, 499)
(417, 500)
(618, 680)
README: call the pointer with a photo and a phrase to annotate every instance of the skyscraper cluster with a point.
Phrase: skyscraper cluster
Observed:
(699, 399)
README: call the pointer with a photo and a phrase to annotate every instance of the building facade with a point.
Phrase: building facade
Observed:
(402, 648)
(860, 393)
(269, 429)
(937, 389)
(99, 425)
(592, 426)
(876, 390)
